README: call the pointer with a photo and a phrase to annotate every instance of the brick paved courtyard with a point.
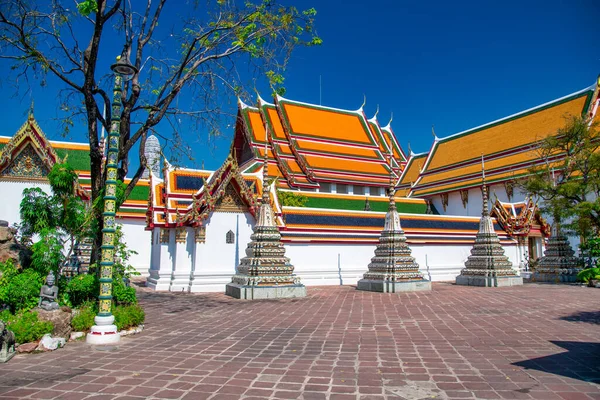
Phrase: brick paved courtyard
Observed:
(529, 342)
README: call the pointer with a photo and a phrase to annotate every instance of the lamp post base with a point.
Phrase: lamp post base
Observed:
(104, 332)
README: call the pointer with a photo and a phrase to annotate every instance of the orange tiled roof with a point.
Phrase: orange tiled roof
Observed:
(508, 146)
(313, 144)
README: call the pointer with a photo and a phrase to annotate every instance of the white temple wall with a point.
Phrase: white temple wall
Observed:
(215, 260)
(12, 194)
(345, 264)
(137, 238)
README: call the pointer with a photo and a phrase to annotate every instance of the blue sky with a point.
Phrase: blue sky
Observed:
(454, 65)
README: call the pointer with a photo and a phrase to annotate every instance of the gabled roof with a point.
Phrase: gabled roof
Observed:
(188, 197)
(411, 173)
(310, 144)
(30, 142)
(508, 146)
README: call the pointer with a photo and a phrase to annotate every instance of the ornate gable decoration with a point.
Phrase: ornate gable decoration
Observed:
(28, 154)
(226, 191)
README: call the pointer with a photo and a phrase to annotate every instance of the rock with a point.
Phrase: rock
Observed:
(27, 347)
(48, 343)
(76, 335)
(10, 249)
(61, 320)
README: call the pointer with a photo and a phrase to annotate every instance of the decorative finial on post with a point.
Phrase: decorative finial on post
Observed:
(484, 188)
(31, 110)
(265, 196)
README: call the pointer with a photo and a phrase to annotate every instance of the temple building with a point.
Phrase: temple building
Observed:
(331, 169)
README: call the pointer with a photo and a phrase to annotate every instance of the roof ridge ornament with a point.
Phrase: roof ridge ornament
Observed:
(362, 106)
(388, 127)
(435, 138)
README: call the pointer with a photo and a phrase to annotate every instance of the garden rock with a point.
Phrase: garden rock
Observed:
(76, 335)
(27, 347)
(61, 320)
(48, 343)
(10, 249)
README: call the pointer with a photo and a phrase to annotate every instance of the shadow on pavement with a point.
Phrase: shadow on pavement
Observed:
(581, 361)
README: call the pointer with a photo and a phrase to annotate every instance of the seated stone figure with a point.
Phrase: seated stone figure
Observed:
(49, 294)
(7, 343)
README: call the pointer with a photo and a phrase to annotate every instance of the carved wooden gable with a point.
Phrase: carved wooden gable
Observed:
(26, 164)
(231, 201)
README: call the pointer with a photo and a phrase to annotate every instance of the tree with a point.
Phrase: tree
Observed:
(569, 180)
(50, 40)
(60, 219)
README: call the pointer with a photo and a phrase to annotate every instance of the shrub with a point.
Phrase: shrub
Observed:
(8, 271)
(83, 318)
(23, 291)
(82, 288)
(128, 316)
(27, 327)
(123, 295)
(587, 274)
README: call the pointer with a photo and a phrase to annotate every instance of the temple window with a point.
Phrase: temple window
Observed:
(375, 191)
(359, 189)
(341, 188)
(230, 237)
(324, 187)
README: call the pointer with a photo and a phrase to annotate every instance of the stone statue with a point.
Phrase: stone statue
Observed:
(7, 343)
(49, 294)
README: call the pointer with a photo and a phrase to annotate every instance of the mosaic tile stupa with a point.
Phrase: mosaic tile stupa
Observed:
(488, 265)
(265, 272)
(393, 269)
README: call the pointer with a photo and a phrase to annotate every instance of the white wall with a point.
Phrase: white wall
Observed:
(12, 194)
(137, 238)
(215, 260)
(475, 204)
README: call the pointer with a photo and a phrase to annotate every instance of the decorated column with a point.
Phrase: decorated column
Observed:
(105, 331)
(487, 265)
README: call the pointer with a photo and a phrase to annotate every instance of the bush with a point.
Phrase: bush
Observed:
(83, 318)
(27, 327)
(80, 289)
(123, 295)
(587, 274)
(22, 291)
(128, 316)
(8, 271)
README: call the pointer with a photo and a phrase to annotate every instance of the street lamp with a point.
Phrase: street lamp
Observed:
(104, 332)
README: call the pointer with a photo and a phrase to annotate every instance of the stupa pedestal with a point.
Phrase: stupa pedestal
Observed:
(558, 263)
(265, 272)
(487, 265)
(393, 269)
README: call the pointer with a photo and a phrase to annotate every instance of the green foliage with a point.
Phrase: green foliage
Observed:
(8, 270)
(83, 318)
(81, 289)
(26, 326)
(123, 295)
(570, 187)
(86, 7)
(39, 211)
(291, 199)
(587, 274)
(62, 178)
(128, 316)
(22, 291)
(47, 252)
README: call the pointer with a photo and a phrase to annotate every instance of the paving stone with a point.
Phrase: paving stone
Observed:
(529, 342)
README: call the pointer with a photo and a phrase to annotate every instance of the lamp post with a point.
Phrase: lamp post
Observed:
(104, 332)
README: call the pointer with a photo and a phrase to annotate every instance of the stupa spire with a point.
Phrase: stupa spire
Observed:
(487, 265)
(265, 272)
(393, 269)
